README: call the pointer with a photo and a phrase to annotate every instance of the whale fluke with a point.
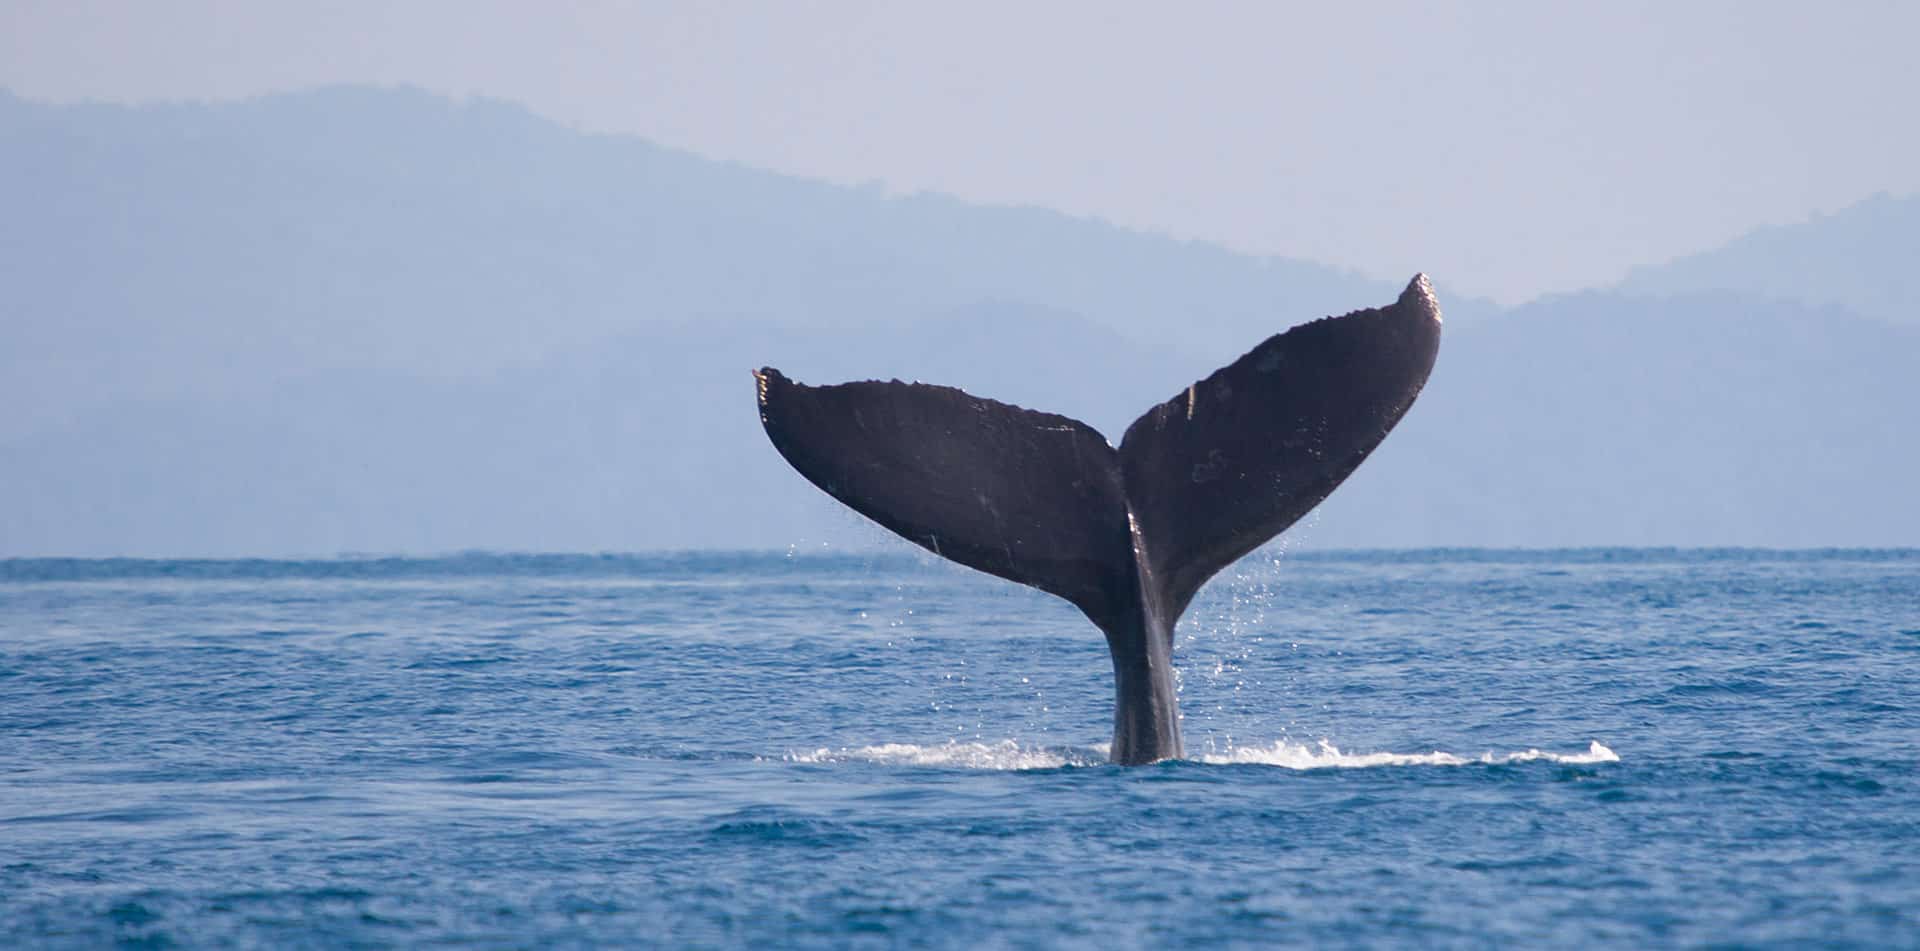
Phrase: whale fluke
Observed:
(1127, 535)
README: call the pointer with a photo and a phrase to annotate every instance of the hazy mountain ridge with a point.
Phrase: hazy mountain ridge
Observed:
(1860, 258)
(375, 320)
(649, 441)
(394, 229)
(1548, 427)
(1597, 419)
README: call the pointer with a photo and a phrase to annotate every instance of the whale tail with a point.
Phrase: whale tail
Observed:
(1127, 535)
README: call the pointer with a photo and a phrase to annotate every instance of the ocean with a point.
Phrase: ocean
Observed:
(1594, 748)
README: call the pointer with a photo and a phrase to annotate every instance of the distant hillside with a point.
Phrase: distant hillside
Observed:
(367, 320)
(1599, 419)
(206, 251)
(649, 441)
(1592, 420)
(1861, 258)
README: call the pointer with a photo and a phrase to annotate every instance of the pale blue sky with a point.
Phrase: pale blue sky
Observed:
(1511, 149)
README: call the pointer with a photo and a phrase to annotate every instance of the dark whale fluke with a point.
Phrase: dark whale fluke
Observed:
(1127, 535)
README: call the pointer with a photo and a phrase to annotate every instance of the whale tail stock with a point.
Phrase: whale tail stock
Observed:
(1128, 535)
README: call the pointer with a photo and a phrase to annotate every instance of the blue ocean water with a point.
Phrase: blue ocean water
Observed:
(1448, 748)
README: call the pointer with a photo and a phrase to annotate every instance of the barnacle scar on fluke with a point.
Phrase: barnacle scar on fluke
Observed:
(1127, 535)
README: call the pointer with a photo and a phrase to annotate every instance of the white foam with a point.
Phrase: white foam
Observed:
(1009, 755)
(1324, 755)
(1005, 754)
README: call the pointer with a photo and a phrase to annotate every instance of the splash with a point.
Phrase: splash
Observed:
(1009, 755)
(1325, 755)
(1004, 755)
